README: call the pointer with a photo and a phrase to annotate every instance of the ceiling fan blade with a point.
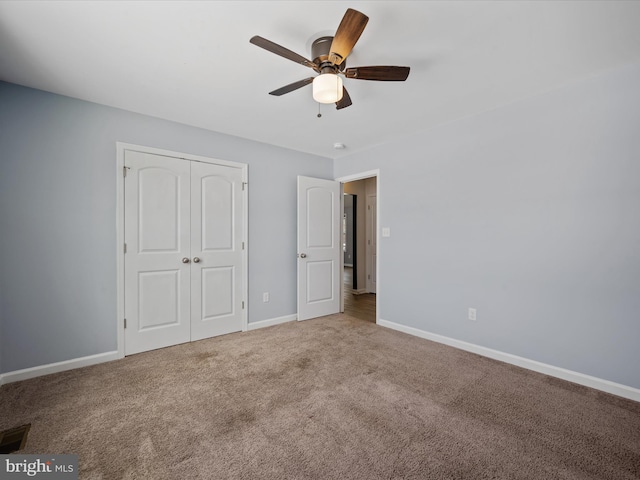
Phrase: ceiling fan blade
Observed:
(345, 101)
(283, 52)
(291, 87)
(348, 33)
(381, 73)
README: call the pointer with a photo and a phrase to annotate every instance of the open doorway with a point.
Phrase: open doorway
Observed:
(359, 235)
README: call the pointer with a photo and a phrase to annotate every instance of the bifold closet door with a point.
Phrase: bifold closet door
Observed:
(184, 241)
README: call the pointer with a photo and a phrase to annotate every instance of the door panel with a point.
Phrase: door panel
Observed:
(217, 213)
(217, 292)
(157, 235)
(159, 299)
(320, 203)
(159, 210)
(319, 281)
(216, 240)
(318, 247)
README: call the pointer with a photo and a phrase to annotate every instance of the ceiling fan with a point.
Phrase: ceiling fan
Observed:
(329, 55)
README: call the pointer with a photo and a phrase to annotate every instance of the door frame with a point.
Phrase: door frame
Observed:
(352, 178)
(121, 147)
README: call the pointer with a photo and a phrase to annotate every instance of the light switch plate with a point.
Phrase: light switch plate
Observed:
(386, 232)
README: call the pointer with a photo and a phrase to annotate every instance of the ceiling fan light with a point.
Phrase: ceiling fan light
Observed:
(327, 88)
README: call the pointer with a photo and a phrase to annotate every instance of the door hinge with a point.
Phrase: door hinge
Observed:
(243, 304)
(243, 245)
(124, 171)
(244, 184)
(125, 248)
(125, 323)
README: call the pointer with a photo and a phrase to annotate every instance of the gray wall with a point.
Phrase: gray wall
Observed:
(529, 213)
(58, 214)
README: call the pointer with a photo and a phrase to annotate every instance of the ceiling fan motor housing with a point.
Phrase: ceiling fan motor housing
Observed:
(320, 49)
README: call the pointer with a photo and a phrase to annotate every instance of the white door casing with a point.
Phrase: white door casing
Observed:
(372, 247)
(185, 265)
(319, 249)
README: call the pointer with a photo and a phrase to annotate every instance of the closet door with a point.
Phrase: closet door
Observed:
(157, 259)
(216, 250)
(184, 262)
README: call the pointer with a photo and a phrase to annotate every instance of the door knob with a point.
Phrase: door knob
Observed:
(196, 260)
(185, 260)
(303, 255)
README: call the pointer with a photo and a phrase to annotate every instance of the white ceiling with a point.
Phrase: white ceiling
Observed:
(192, 62)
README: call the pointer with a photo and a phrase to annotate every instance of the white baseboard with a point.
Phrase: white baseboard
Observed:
(271, 322)
(359, 291)
(38, 371)
(569, 375)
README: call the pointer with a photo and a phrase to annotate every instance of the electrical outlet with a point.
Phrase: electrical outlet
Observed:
(472, 314)
(265, 297)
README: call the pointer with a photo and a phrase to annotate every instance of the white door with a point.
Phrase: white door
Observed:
(372, 235)
(319, 278)
(157, 231)
(184, 264)
(216, 250)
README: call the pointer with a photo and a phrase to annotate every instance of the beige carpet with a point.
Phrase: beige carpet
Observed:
(331, 398)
